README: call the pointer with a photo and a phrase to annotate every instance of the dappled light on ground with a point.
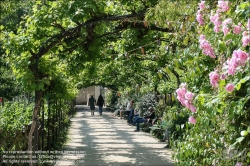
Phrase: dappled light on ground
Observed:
(107, 140)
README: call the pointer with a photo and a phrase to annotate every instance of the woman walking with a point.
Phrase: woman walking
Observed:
(100, 103)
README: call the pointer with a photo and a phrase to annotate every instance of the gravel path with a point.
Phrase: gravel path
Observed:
(106, 140)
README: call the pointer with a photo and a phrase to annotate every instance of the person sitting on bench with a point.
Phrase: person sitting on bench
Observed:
(148, 118)
(121, 108)
(133, 113)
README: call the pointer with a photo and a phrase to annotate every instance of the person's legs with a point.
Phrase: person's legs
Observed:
(115, 113)
(100, 110)
(130, 119)
(138, 121)
(127, 116)
(121, 113)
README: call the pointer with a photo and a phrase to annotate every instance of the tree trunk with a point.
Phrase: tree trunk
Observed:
(38, 97)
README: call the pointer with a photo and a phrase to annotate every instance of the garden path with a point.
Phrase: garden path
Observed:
(107, 140)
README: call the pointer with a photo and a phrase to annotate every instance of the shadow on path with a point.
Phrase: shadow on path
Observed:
(107, 140)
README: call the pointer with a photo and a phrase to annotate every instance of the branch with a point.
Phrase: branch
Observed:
(54, 40)
(58, 26)
(127, 25)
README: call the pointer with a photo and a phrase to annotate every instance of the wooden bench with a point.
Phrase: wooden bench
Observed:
(157, 127)
(147, 126)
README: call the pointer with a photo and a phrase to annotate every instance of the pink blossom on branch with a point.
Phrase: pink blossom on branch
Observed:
(238, 164)
(199, 18)
(242, 55)
(245, 39)
(214, 78)
(226, 24)
(192, 108)
(189, 96)
(223, 6)
(216, 29)
(229, 87)
(185, 97)
(202, 5)
(215, 19)
(192, 120)
(181, 92)
(237, 29)
(206, 47)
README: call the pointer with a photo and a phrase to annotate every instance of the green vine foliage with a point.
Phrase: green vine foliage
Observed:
(15, 116)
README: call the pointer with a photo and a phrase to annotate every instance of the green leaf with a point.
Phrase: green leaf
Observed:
(222, 46)
(192, 28)
(1, 27)
(238, 86)
(240, 139)
(228, 37)
(160, 75)
(40, 86)
(243, 80)
(219, 110)
(243, 133)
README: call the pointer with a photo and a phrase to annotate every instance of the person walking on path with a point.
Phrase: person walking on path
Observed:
(100, 103)
(129, 107)
(92, 102)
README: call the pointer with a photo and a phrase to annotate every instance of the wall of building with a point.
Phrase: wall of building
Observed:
(84, 94)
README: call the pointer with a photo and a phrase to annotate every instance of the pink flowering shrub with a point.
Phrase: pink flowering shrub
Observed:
(186, 99)
(222, 98)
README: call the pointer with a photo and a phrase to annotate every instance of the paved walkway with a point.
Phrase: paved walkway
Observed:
(106, 140)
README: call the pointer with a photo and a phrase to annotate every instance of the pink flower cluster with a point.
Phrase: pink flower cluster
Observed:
(214, 78)
(186, 99)
(246, 34)
(239, 59)
(229, 87)
(246, 38)
(206, 47)
(199, 16)
(237, 29)
(192, 120)
(238, 164)
(215, 19)
(223, 6)
(226, 25)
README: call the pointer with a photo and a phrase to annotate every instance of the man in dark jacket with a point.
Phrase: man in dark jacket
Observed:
(100, 103)
(147, 118)
(92, 102)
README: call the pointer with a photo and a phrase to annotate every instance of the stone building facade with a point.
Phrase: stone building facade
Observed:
(84, 94)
